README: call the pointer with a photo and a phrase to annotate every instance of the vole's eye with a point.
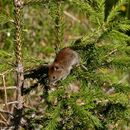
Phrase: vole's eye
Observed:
(54, 77)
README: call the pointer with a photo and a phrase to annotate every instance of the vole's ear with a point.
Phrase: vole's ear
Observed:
(58, 67)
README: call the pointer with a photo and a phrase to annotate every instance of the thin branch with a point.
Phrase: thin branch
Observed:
(5, 92)
(6, 112)
(3, 117)
(9, 103)
(3, 122)
(110, 53)
(84, 67)
(5, 72)
(10, 87)
(71, 16)
(123, 79)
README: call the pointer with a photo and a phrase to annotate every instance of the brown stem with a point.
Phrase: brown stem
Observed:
(18, 4)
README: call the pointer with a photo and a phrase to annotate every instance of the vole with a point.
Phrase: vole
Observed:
(65, 60)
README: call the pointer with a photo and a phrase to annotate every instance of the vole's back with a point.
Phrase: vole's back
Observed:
(66, 57)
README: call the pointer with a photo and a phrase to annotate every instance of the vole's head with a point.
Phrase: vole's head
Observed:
(55, 73)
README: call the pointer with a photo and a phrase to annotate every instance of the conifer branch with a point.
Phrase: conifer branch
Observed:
(18, 4)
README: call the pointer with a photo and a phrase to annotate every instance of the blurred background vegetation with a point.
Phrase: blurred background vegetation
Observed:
(42, 39)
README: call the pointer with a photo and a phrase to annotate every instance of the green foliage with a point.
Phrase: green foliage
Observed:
(104, 54)
(56, 13)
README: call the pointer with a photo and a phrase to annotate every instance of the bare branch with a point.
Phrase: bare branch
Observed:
(6, 112)
(71, 16)
(5, 92)
(7, 88)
